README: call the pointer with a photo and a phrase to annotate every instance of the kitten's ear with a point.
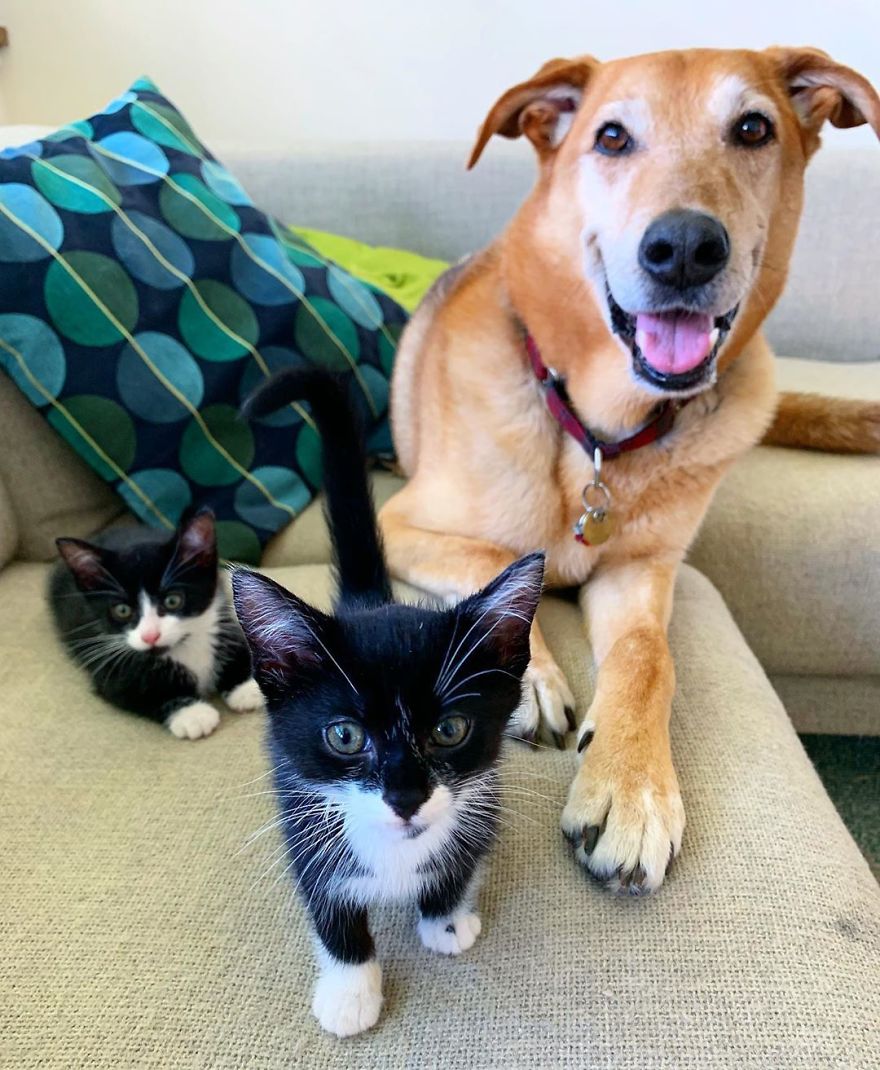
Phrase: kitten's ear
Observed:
(281, 630)
(506, 608)
(86, 563)
(196, 546)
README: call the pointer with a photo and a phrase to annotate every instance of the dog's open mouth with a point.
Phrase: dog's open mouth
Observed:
(673, 351)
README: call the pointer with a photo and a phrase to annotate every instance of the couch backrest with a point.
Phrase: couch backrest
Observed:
(47, 489)
(419, 196)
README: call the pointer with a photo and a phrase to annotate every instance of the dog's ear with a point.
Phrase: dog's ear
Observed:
(541, 108)
(822, 90)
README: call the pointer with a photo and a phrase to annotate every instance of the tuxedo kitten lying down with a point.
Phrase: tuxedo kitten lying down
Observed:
(141, 611)
(385, 725)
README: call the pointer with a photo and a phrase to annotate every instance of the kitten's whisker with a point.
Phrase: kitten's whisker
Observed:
(532, 743)
(262, 776)
(463, 660)
(450, 671)
(460, 697)
(518, 789)
(449, 676)
(473, 676)
(334, 858)
(280, 819)
(445, 661)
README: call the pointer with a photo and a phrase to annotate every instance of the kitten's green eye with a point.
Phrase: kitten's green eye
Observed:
(121, 611)
(172, 601)
(345, 737)
(450, 731)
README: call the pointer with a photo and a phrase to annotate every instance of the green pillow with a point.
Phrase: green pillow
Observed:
(403, 275)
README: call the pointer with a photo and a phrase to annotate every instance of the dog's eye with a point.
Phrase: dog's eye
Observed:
(450, 731)
(613, 139)
(121, 611)
(752, 130)
(345, 737)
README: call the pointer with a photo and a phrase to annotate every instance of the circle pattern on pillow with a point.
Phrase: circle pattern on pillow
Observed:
(143, 297)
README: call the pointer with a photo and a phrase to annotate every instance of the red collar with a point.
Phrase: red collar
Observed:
(562, 410)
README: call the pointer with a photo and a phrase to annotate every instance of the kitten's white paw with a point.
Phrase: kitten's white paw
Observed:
(194, 721)
(245, 698)
(348, 998)
(452, 934)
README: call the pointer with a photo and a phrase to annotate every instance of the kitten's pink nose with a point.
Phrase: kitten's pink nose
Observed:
(150, 637)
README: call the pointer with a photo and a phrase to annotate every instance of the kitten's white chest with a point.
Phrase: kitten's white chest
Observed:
(197, 652)
(395, 865)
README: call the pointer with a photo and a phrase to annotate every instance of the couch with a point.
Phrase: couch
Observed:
(142, 928)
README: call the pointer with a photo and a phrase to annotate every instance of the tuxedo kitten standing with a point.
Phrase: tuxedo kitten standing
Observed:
(142, 612)
(385, 726)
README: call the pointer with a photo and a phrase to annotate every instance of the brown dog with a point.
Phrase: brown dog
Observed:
(642, 266)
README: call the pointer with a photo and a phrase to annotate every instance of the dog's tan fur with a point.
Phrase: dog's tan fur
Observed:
(491, 474)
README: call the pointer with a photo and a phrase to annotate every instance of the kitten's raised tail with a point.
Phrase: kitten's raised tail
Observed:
(351, 515)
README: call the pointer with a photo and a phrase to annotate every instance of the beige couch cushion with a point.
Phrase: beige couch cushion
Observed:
(831, 704)
(138, 933)
(8, 527)
(842, 379)
(52, 491)
(792, 541)
(305, 541)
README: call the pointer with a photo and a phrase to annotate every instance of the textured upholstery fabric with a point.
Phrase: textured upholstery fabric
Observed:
(140, 933)
(833, 378)
(8, 527)
(831, 704)
(791, 541)
(420, 197)
(52, 491)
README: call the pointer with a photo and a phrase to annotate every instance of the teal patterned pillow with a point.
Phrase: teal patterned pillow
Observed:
(142, 296)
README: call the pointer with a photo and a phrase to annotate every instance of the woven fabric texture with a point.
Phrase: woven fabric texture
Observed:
(136, 931)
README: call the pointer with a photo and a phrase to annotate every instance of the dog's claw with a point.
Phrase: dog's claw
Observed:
(559, 740)
(591, 838)
(570, 718)
(585, 740)
(573, 837)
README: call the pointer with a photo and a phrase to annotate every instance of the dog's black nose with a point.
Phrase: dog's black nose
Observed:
(404, 801)
(684, 248)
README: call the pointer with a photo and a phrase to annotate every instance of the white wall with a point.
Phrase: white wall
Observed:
(265, 73)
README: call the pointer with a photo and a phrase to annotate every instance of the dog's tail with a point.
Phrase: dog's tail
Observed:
(836, 425)
(351, 516)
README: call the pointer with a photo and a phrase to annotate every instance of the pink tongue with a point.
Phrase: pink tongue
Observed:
(674, 342)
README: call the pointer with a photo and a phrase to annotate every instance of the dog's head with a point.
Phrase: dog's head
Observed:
(672, 184)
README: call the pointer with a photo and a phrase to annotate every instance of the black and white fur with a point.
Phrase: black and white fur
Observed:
(412, 812)
(142, 612)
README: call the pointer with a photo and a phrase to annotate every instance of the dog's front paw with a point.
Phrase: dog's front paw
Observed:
(452, 934)
(625, 824)
(245, 698)
(194, 721)
(348, 998)
(547, 708)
